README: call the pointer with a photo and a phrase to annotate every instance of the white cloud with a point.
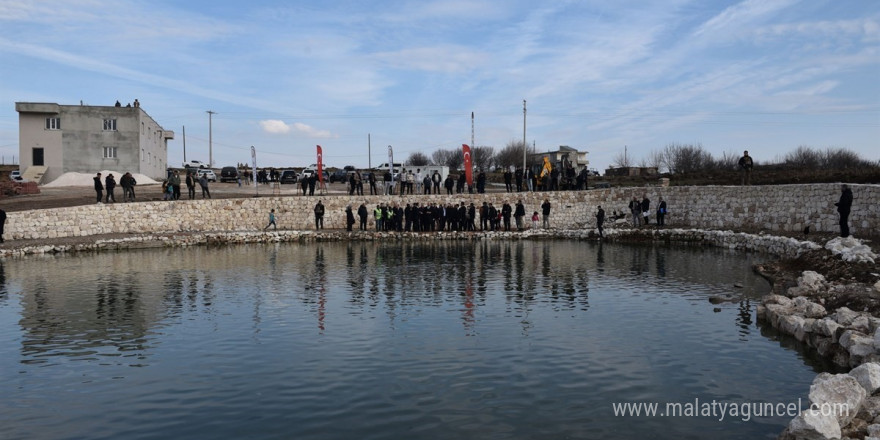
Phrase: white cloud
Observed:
(275, 126)
(741, 16)
(312, 132)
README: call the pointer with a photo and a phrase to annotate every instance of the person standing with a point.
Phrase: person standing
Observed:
(745, 165)
(110, 183)
(349, 218)
(545, 211)
(2, 223)
(519, 213)
(203, 182)
(436, 179)
(449, 183)
(843, 207)
(481, 182)
(636, 209)
(646, 207)
(661, 213)
(190, 185)
(99, 187)
(535, 220)
(271, 221)
(358, 183)
(174, 181)
(600, 221)
(371, 179)
(319, 215)
(508, 180)
(362, 213)
(505, 215)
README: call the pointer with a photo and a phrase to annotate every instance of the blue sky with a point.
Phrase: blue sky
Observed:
(284, 76)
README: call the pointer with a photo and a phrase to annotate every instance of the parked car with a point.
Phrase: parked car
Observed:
(339, 176)
(195, 164)
(229, 174)
(307, 173)
(15, 175)
(288, 176)
(209, 174)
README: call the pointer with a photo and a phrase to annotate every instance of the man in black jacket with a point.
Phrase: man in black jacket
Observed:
(843, 207)
(99, 187)
(518, 214)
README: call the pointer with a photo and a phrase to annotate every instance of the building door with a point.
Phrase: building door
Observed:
(38, 157)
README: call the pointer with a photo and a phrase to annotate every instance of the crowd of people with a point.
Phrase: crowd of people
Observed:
(433, 216)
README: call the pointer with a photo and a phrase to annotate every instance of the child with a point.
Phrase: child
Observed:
(535, 220)
(271, 221)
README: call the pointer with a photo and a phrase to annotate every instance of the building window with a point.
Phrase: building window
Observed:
(53, 123)
(109, 152)
(109, 124)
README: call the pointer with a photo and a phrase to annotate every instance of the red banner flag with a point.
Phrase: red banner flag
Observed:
(468, 165)
(320, 164)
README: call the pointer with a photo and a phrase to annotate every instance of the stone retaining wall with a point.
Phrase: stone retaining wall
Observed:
(771, 208)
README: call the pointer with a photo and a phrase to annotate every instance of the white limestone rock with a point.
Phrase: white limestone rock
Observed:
(868, 376)
(844, 316)
(812, 281)
(812, 425)
(838, 391)
(826, 327)
(808, 309)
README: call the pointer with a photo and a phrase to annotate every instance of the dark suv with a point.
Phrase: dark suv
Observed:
(339, 176)
(288, 176)
(228, 174)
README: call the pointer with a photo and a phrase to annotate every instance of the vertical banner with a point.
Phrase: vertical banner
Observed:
(320, 165)
(254, 169)
(468, 165)
(391, 164)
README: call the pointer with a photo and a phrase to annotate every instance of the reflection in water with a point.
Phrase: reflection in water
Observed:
(106, 309)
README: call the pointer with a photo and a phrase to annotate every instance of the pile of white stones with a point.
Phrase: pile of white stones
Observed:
(850, 339)
(840, 405)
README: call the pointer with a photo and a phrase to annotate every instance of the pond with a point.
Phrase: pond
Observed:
(367, 340)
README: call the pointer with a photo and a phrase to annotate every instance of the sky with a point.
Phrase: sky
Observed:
(357, 76)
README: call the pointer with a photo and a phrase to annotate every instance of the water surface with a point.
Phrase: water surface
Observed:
(488, 340)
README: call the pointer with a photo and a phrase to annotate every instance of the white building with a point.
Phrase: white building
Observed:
(55, 139)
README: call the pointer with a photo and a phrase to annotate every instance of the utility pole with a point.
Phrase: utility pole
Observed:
(184, 143)
(472, 131)
(210, 139)
(525, 145)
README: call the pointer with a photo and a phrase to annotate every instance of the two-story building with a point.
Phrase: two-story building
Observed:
(55, 139)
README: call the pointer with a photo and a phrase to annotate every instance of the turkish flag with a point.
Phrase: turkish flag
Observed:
(468, 164)
(320, 164)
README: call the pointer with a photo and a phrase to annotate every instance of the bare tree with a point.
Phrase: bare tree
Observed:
(483, 157)
(418, 159)
(804, 158)
(512, 154)
(655, 159)
(450, 158)
(687, 158)
(729, 160)
(622, 160)
(841, 158)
